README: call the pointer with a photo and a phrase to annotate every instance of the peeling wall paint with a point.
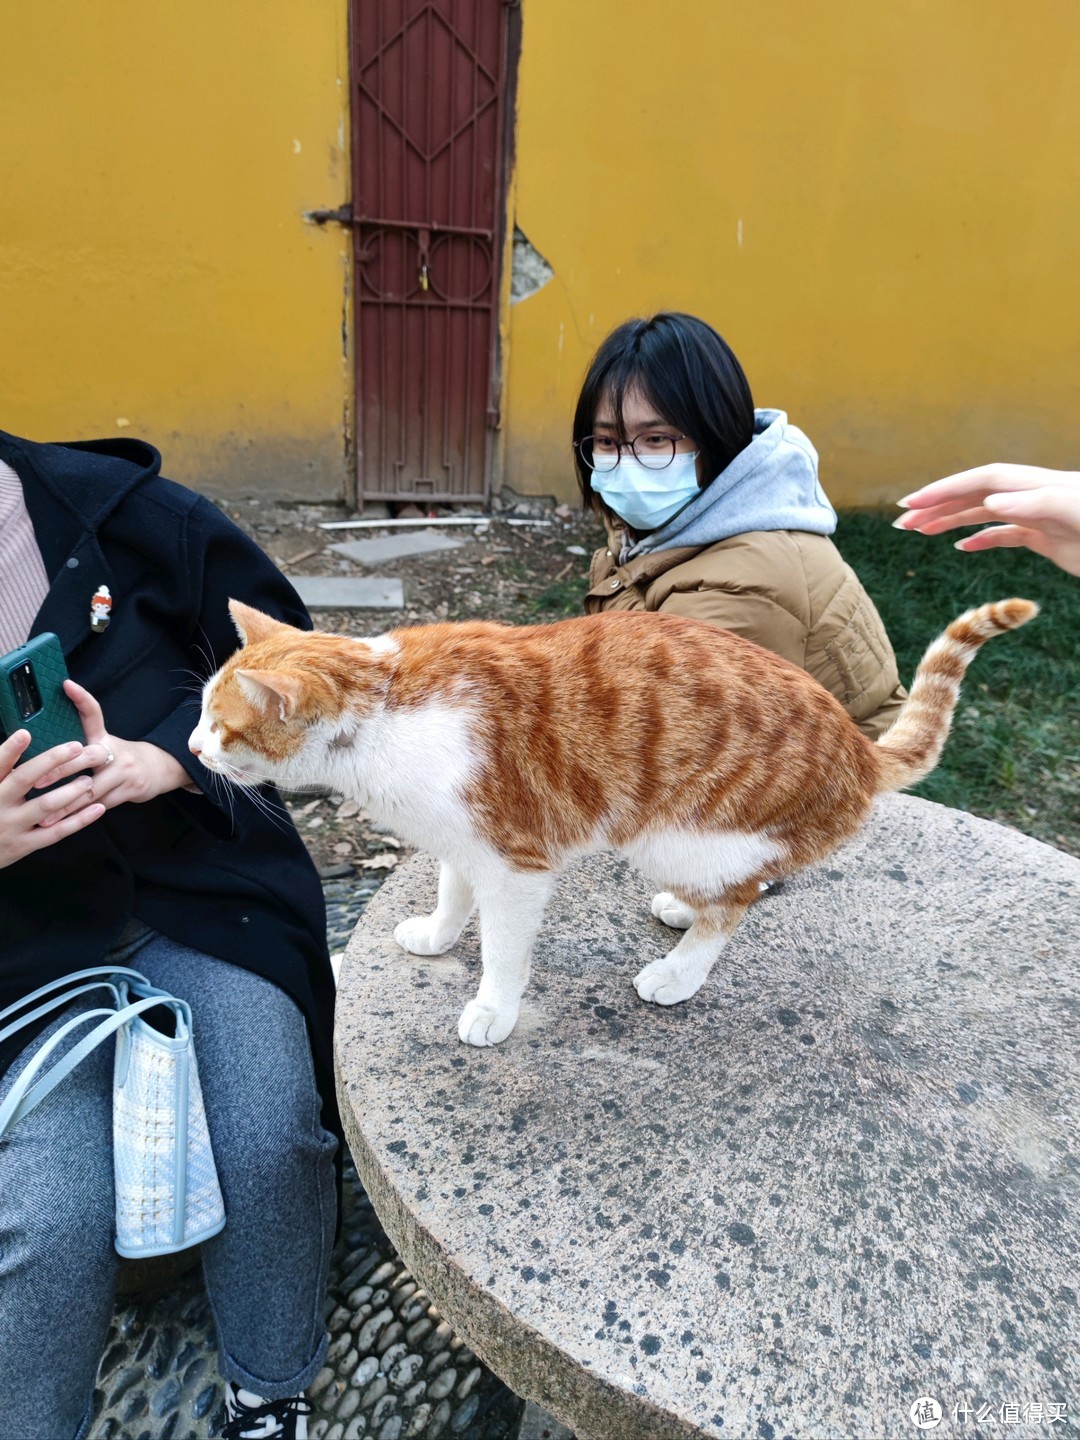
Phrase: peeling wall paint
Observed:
(530, 272)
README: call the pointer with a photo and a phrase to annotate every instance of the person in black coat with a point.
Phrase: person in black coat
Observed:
(139, 858)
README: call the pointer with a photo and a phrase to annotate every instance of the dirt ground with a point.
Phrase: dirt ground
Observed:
(522, 573)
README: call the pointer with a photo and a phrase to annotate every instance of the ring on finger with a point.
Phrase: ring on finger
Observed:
(109, 758)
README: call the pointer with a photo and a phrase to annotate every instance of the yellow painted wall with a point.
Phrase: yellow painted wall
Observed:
(155, 267)
(877, 202)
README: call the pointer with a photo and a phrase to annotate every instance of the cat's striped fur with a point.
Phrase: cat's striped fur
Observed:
(713, 764)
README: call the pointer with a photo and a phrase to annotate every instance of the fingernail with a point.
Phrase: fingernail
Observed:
(905, 502)
(900, 523)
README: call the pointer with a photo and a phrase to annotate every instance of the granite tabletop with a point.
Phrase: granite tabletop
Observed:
(833, 1195)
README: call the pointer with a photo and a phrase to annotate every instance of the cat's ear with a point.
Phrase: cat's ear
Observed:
(270, 690)
(252, 625)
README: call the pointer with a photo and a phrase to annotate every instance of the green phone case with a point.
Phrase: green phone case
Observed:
(57, 721)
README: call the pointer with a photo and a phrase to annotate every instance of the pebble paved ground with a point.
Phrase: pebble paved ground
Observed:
(395, 1370)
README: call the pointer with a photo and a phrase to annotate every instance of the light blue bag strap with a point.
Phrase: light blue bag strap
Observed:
(25, 1094)
(96, 971)
(54, 1004)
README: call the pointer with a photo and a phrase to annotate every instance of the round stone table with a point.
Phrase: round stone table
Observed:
(839, 1183)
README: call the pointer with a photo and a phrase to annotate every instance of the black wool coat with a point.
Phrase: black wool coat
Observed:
(213, 871)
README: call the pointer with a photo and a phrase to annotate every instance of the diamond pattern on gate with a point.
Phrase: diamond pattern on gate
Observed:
(458, 48)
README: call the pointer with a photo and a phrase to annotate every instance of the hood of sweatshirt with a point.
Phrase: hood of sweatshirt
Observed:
(771, 485)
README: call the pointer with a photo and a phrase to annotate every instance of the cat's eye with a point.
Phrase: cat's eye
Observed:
(213, 727)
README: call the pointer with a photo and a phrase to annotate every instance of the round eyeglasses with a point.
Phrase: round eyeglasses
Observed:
(653, 448)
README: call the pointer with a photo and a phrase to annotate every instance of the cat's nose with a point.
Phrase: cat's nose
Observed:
(193, 743)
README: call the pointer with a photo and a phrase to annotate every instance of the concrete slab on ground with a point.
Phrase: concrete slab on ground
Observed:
(344, 592)
(395, 547)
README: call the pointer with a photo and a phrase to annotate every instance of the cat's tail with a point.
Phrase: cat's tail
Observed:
(911, 747)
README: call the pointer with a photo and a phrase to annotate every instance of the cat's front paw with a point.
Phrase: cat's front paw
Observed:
(481, 1025)
(664, 982)
(421, 937)
(672, 912)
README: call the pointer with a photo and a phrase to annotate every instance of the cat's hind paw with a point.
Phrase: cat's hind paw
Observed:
(480, 1025)
(664, 982)
(672, 912)
(420, 937)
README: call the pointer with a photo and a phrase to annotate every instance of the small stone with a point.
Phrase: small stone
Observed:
(389, 1336)
(465, 1414)
(340, 1347)
(382, 1411)
(405, 1371)
(322, 1380)
(366, 1370)
(375, 1392)
(348, 1404)
(418, 1330)
(391, 1429)
(418, 1423)
(392, 1355)
(371, 1328)
(436, 1363)
(469, 1382)
(439, 1420)
(360, 1296)
(443, 1383)
(418, 1305)
(356, 1427)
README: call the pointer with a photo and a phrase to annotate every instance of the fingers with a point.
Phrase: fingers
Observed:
(56, 805)
(999, 537)
(46, 835)
(936, 519)
(56, 764)
(970, 487)
(93, 722)
(10, 751)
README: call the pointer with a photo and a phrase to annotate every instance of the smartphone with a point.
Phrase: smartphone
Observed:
(32, 696)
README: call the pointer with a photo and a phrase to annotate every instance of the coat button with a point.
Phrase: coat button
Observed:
(608, 553)
(73, 563)
(615, 584)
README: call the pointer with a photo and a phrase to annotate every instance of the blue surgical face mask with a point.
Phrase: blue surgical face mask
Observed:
(642, 495)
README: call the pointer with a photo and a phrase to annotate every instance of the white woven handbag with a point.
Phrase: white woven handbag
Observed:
(167, 1191)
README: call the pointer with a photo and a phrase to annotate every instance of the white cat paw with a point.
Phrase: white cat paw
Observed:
(420, 937)
(672, 912)
(664, 983)
(480, 1025)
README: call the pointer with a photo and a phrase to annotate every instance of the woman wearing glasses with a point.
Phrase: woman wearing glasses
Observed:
(714, 510)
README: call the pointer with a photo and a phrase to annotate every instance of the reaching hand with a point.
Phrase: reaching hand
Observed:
(1038, 509)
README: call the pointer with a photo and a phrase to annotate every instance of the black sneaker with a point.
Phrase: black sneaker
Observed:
(250, 1417)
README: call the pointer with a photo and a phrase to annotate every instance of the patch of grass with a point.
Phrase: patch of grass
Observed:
(564, 598)
(1014, 752)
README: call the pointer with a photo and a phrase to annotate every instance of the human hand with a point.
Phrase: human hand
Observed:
(123, 770)
(1038, 509)
(30, 822)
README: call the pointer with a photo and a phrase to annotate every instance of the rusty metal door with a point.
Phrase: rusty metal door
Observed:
(430, 142)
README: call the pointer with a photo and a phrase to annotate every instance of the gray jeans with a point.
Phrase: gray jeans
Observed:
(265, 1272)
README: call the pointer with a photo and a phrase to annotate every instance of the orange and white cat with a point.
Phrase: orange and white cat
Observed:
(506, 752)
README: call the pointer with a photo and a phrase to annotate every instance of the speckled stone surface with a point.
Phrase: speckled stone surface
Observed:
(841, 1178)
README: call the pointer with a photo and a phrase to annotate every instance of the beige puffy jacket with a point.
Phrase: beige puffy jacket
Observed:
(786, 590)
